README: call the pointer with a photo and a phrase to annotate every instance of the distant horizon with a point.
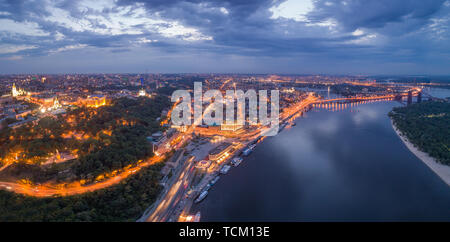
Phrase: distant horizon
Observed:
(230, 73)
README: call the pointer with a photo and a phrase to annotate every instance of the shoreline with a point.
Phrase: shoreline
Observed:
(443, 171)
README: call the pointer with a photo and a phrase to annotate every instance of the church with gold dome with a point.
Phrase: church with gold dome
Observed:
(16, 92)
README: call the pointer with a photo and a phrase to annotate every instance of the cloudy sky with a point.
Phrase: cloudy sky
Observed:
(245, 36)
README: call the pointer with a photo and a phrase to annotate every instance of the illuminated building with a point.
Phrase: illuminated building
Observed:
(203, 165)
(221, 152)
(49, 104)
(217, 139)
(93, 101)
(142, 93)
(17, 92)
(231, 127)
(56, 104)
(182, 128)
(22, 114)
(43, 100)
(290, 90)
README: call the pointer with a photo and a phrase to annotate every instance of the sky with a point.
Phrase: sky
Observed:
(225, 36)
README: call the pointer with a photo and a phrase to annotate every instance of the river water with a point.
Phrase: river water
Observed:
(346, 165)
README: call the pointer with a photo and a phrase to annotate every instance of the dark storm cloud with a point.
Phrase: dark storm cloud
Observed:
(244, 18)
(248, 23)
(375, 14)
(351, 30)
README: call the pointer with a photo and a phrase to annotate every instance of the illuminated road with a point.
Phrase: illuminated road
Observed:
(174, 195)
(5, 166)
(168, 202)
(67, 189)
(288, 112)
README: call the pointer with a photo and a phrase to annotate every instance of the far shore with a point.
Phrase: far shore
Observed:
(443, 171)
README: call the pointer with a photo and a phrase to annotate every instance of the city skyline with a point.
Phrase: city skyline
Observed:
(200, 36)
(224, 111)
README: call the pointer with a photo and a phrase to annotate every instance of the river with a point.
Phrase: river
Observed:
(346, 165)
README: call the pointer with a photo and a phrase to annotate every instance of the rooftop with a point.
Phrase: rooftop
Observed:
(219, 148)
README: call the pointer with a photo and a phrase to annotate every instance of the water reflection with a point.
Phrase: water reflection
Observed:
(346, 165)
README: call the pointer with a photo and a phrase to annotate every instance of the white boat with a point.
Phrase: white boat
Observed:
(247, 152)
(214, 180)
(225, 169)
(201, 196)
(207, 187)
(236, 161)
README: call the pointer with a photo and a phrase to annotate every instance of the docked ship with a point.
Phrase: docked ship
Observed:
(214, 180)
(207, 187)
(236, 161)
(201, 196)
(225, 169)
(247, 152)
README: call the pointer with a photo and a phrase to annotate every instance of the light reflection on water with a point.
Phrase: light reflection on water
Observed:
(347, 165)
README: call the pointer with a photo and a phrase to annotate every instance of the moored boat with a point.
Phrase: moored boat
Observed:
(201, 196)
(214, 180)
(236, 161)
(225, 169)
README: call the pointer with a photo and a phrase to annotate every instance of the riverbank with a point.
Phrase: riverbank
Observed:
(441, 170)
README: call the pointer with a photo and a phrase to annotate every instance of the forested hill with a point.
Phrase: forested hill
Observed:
(128, 121)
